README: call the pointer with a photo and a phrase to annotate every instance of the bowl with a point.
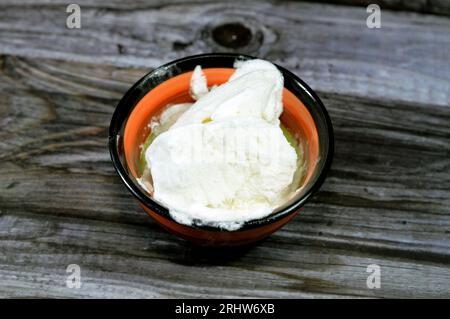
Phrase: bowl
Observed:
(303, 114)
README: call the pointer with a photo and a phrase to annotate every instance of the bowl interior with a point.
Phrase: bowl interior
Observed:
(295, 117)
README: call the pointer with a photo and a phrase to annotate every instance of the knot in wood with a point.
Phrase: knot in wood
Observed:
(232, 35)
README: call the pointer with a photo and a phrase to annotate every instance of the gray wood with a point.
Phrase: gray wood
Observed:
(386, 200)
(329, 46)
(439, 7)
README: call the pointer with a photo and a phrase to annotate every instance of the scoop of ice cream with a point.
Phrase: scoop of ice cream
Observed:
(255, 90)
(225, 160)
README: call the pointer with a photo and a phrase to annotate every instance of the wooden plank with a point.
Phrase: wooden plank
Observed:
(329, 46)
(62, 203)
(439, 7)
(127, 260)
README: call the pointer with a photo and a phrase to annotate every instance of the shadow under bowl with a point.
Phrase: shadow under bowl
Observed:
(304, 115)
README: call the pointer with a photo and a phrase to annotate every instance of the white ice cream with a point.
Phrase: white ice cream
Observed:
(225, 160)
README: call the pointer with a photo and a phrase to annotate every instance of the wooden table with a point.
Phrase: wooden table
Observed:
(386, 200)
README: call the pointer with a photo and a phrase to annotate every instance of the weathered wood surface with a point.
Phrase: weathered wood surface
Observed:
(440, 7)
(386, 200)
(328, 46)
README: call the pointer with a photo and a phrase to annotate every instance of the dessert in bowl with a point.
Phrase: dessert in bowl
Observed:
(269, 146)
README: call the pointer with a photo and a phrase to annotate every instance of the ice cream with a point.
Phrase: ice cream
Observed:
(224, 159)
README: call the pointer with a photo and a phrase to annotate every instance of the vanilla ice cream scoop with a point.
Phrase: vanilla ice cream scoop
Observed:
(255, 90)
(225, 160)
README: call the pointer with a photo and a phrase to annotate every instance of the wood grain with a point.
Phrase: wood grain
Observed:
(439, 7)
(62, 203)
(329, 46)
(386, 200)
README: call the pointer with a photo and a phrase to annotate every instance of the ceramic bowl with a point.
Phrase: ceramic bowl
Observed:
(304, 115)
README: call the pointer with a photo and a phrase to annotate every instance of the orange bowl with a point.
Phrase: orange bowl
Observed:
(303, 115)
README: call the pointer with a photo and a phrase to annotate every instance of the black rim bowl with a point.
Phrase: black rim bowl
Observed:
(220, 60)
